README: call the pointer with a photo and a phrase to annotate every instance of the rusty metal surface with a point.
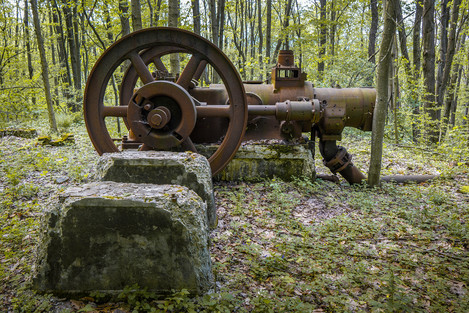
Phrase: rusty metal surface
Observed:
(161, 114)
(338, 160)
(132, 47)
(169, 110)
(338, 108)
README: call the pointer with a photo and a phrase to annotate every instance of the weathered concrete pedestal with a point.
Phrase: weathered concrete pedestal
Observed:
(105, 235)
(255, 162)
(162, 167)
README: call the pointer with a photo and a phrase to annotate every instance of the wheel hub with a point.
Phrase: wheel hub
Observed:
(159, 117)
(162, 114)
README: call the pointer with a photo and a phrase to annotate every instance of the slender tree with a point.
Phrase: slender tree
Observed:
(322, 37)
(136, 15)
(379, 116)
(44, 65)
(221, 22)
(124, 17)
(214, 21)
(416, 51)
(196, 15)
(449, 61)
(428, 67)
(268, 32)
(28, 46)
(261, 38)
(373, 31)
(69, 10)
(333, 29)
(286, 22)
(173, 21)
(156, 16)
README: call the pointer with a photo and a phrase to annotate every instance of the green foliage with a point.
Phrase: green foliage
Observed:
(68, 119)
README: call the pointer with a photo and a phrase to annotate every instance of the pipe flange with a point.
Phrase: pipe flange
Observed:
(340, 161)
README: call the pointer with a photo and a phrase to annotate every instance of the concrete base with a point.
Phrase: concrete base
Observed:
(105, 236)
(255, 162)
(162, 167)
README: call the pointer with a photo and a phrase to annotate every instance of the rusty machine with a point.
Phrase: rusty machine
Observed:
(164, 111)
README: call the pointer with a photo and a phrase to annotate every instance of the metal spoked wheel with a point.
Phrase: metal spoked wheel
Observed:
(162, 113)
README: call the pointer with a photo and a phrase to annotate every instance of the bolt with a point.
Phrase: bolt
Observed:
(148, 106)
(156, 119)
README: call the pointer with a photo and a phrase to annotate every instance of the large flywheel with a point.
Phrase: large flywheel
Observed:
(161, 113)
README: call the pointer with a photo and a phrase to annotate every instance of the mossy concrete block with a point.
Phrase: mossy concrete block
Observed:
(255, 162)
(18, 132)
(161, 167)
(104, 236)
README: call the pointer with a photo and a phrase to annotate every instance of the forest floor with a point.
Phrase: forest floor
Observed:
(279, 246)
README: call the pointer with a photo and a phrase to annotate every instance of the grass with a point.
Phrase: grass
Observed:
(279, 247)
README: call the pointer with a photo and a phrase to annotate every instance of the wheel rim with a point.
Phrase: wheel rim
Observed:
(167, 40)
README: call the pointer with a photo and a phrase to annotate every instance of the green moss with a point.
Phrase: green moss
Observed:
(281, 148)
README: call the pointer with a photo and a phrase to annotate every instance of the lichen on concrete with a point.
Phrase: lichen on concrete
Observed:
(255, 162)
(161, 167)
(104, 236)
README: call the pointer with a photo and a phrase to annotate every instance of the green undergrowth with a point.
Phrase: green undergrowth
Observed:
(306, 245)
(300, 246)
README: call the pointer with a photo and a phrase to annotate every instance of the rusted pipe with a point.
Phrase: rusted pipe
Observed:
(338, 160)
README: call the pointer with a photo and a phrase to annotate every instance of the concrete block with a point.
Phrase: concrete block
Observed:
(104, 236)
(161, 167)
(255, 162)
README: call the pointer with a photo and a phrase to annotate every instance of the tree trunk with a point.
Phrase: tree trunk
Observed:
(173, 21)
(44, 66)
(372, 39)
(28, 46)
(221, 22)
(416, 69)
(403, 41)
(151, 13)
(261, 39)
(333, 29)
(62, 53)
(196, 16)
(214, 21)
(379, 115)
(156, 18)
(268, 32)
(55, 97)
(373, 31)
(252, 19)
(124, 9)
(428, 67)
(449, 62)
(443, 45)
(395, 87)
(136, 15)
(322, 38)
(285, 26)
(455, 83)
(74, 53)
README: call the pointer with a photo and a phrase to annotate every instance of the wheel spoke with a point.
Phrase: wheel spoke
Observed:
(142, 70)
(189, 71)
(200, 69)
(188, 145)
(117, 111)
(159, 64)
